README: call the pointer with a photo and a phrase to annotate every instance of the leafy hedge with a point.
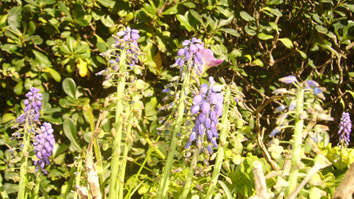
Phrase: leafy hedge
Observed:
(56, 45)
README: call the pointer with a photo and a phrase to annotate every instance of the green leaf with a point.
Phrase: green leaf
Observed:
(71, 43)
(224, 22)
(107, 21)
(274, 11)
(263, 36)
(287, 42)
(18, 88)
(150, 111)
(13, 18)
(107, 3)
(231, 31)
(251, 30)
(184, 22)
(71, 133)
(41, 59)
(69, 87)
(196, 16)
(246, 16)
(7, 117)
(171, 11)
(56, 76)
(227, 191)
(258, 62)
(64, 9)
(321, 29)
(189, 4)
(302, 53)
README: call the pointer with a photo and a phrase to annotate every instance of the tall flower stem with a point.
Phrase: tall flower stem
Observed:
(187, 185)
(127, 145)
(38, 183)
(296, 151)
(114, 181)
(220, 156)
(24, 164)
(78, 176)
(163, 187)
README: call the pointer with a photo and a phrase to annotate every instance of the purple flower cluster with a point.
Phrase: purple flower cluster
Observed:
(33, 105)
(44, 144)
(191, 52)
(208, 106)
(125, 40)
(345, 127)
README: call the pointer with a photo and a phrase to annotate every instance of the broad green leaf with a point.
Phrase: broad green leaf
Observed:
(18, 88)
(231, 31)
(189, 4)
(258, 62)
(264, 36)
(171, 11)
(107, 21)
(302, 53)
(13, 18)
(184, 22)
(251, 30)
(7, 117)
(246, 16)
(69, 87)
(64, 9)
(196, 16)
(107, 3)
(41, 59)
(150, 111)
(274, 11)
(287, 42)
(71, 133)
(56, 76)
(71, 43)
(321, 29)
(224, 22)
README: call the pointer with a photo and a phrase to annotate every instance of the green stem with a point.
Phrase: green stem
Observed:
(163, 187)
(38, 183)
(125, 155)
(189, 179)
(24, 164)
(137, 174)
(78, 176)
(296, 151)
(114, 181)
(222, 141)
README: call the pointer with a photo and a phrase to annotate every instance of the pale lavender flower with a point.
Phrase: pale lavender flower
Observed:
(288, 79)
(43, 146)
(345, 127)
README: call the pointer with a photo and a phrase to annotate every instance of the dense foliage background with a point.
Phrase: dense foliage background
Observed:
(55, 46)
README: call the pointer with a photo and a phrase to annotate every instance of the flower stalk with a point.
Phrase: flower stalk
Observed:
(114, 179)
(189, 179)
(296, 146)
(24, 164)
(220, 156)
(163, 187)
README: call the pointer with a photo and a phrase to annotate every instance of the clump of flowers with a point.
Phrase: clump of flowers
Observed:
(33, 106)
(345, 127)
(42, 138)
(44, 145)
(208, 106)
(197, 58)
(126, 42)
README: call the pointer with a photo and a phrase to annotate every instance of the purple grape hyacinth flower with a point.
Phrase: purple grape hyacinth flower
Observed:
(199, 59)
(208, 106)
(345, 127)
(33, 105)
(125, 40)
(43, 146)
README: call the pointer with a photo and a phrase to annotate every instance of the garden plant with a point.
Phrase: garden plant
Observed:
(109, 99)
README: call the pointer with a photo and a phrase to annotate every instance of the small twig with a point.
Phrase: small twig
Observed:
(261, 186)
